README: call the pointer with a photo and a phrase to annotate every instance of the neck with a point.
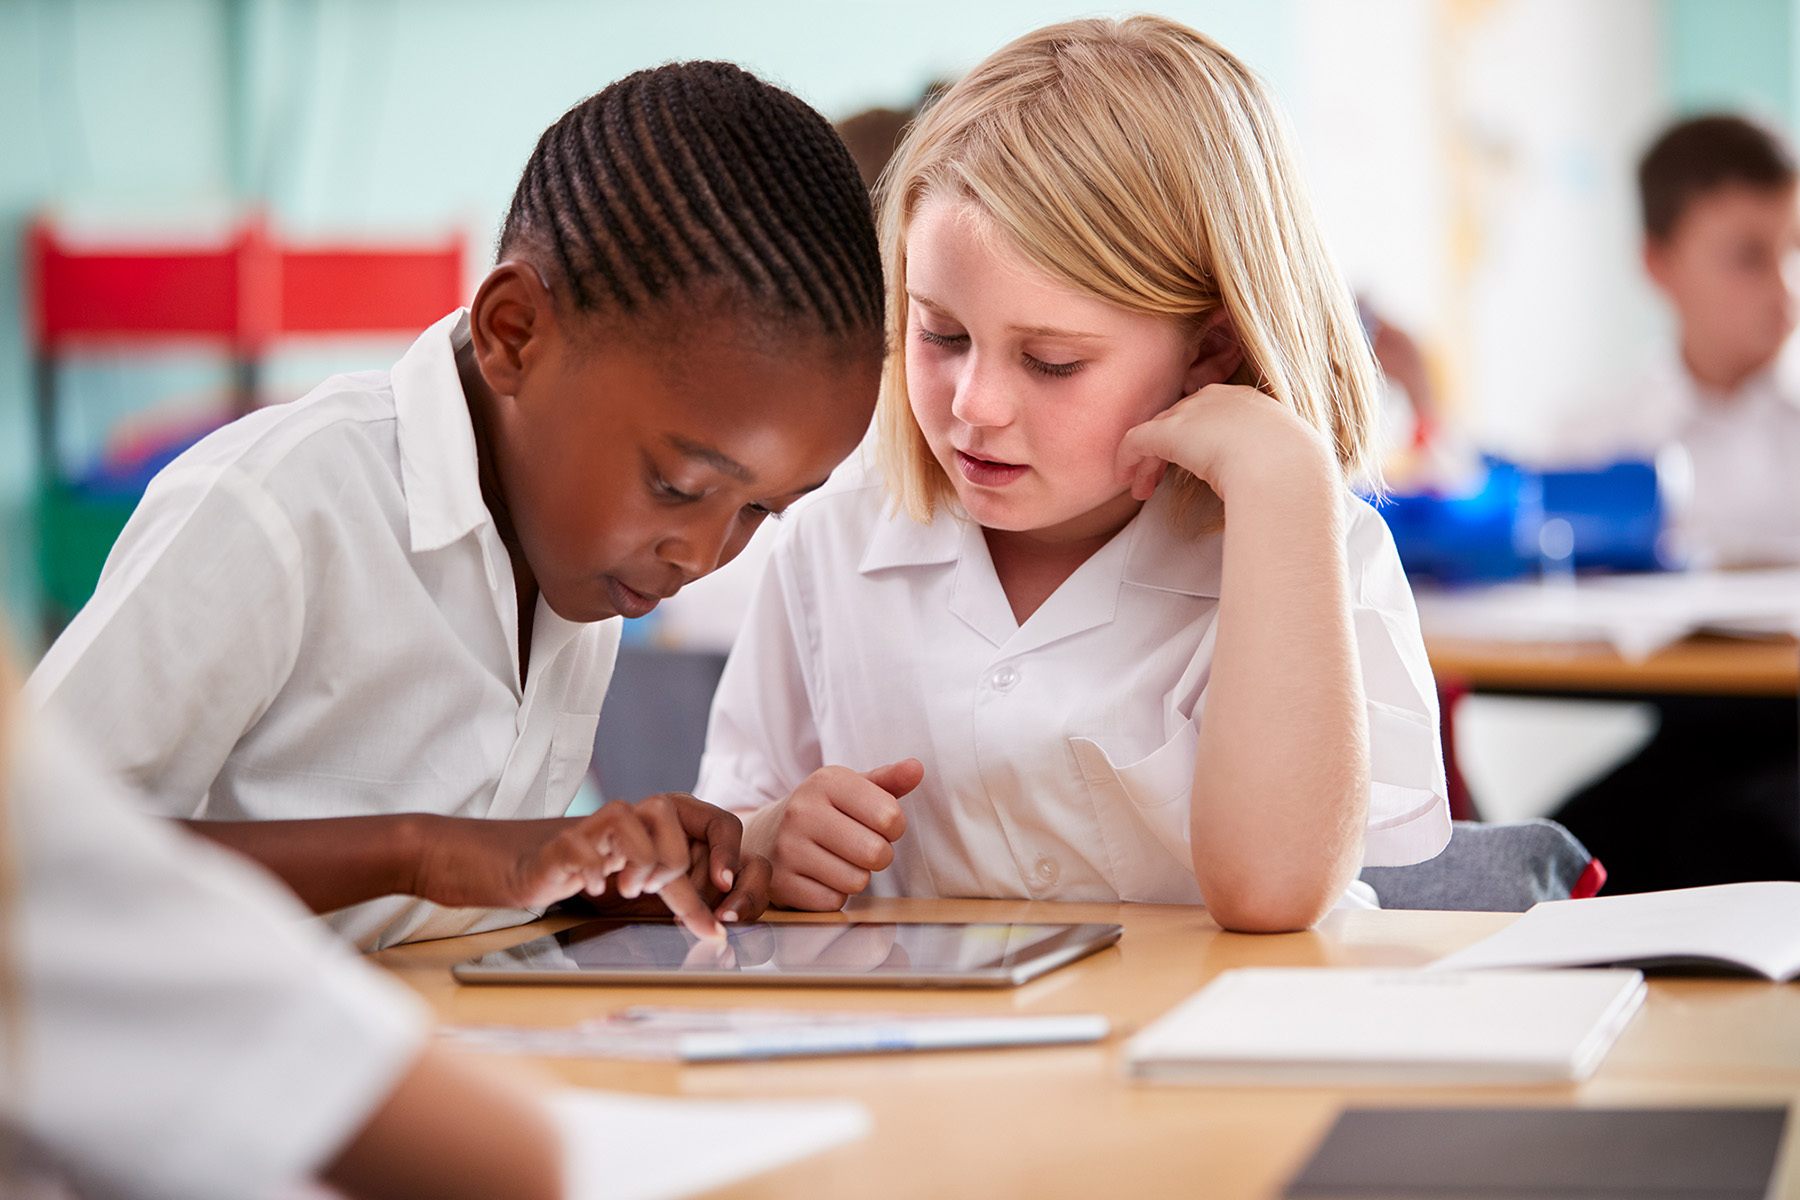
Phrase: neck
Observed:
(483, 416)
(1718, 372)
(1032, 563)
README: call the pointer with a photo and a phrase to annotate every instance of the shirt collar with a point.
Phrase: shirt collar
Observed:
(1162, 559)
(438, 466)
(900, 541)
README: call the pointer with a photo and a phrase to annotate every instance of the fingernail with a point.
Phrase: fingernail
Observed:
(726, 876)
(728, 917)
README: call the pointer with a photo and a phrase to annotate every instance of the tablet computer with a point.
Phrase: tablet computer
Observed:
(844, 953)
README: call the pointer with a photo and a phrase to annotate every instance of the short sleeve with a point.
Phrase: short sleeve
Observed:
(188, 1030)
(1409, 809)
(762, 740)
(189, 636)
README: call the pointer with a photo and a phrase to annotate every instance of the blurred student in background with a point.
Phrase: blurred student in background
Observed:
(1722, 244)
(1715, 797)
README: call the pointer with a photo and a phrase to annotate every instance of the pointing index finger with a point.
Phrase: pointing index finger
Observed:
(689, 909)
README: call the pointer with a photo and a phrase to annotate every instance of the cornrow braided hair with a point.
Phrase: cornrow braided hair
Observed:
(699, 174)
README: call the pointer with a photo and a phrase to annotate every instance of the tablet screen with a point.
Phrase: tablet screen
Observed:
(804, 949)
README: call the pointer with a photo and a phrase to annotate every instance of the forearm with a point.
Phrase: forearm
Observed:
(330, 862)
(1280, 793)
(453, 1128)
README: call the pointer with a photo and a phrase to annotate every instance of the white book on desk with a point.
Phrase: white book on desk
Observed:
(1335, 1027)
(1751, 927)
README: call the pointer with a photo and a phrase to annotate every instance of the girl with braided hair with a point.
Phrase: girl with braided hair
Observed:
(363, 638)
(1110, 612)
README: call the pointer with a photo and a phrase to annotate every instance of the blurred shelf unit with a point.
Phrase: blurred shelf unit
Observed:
(237, 297)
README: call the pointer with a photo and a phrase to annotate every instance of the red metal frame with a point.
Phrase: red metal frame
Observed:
(244, 293)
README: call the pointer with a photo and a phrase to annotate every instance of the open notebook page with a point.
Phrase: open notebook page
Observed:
(1755, 926)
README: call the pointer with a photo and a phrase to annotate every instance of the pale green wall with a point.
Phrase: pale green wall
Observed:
(1730, 54)
(390, 117)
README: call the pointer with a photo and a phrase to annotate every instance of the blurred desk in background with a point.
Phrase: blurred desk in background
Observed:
(1703, 664)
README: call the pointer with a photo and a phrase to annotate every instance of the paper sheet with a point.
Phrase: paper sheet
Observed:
(1637, 614)
(628, 1147)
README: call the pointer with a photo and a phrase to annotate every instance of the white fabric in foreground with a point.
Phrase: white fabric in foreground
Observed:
(187, 1030)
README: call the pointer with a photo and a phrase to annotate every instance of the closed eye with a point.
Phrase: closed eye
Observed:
(949, 341)
(763, 510)
(669, 491)
(1054, 370)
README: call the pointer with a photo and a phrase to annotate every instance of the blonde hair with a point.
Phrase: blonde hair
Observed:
(1140, 162)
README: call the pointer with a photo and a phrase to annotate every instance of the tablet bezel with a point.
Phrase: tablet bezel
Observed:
(1071, 942)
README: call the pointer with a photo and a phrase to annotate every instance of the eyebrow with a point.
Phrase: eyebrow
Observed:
(712, 457)
(1047, 331)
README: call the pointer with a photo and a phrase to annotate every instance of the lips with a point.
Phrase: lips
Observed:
(987, 472)
(627, 601)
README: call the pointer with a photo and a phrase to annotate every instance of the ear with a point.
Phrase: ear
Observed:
(510, 321)
(1217, 353)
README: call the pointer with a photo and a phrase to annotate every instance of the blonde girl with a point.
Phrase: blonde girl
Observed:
(1110, 613)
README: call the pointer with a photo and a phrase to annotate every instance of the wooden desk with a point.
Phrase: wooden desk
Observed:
(1054, 1122)
(1701, 665)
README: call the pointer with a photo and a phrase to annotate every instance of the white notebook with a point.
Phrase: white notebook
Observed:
(1332, 1027)
(1744, 926)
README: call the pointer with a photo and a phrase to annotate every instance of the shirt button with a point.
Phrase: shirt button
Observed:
(1047, 870)
(1004, 678)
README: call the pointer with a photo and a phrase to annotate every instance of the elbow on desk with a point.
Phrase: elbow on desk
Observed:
(1266, 918)
(1269, 906)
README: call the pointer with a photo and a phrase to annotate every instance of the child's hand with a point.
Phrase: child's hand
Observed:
(1224, 433)
(832, 832)
(634, 850)
(734, 885)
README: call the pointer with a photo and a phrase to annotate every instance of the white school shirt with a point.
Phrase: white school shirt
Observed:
(1059, 755)
(1737, 495)
(186, 1030)
(311, 614)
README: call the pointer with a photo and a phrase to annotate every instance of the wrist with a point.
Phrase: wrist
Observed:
(1300, 468)
(759, 830)
(414, 846)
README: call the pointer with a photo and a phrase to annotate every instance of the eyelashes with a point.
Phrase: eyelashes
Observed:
(1053, 370)
(667, 491)
(957, 341)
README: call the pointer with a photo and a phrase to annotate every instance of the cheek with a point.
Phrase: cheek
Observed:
(930, 390)
(1107, 410)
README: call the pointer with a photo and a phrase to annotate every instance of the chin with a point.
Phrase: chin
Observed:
(580, 605)
(1012, 515)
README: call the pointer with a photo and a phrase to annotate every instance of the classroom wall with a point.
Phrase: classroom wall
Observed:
(380, 118)
(1470, 157)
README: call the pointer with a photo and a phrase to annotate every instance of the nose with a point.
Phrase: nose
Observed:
(703, 544)
(982, 397)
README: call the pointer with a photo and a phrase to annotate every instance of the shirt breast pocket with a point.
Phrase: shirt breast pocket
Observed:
(571, 749)
(1142, 808)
